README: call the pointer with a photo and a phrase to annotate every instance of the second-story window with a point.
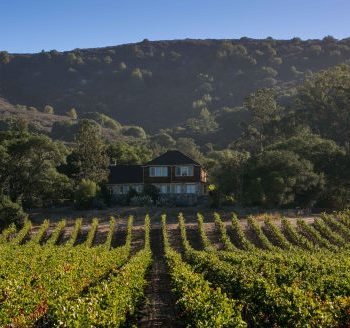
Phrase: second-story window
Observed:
(184, 171)
(158, 171)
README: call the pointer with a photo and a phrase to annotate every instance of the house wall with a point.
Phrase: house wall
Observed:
(168, 188)
(199, 175)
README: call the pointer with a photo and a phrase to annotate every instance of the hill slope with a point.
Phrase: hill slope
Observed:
(161, 84)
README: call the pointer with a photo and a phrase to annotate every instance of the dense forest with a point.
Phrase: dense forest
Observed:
(269, 119)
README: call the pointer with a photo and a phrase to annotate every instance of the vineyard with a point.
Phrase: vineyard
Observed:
(165, 271)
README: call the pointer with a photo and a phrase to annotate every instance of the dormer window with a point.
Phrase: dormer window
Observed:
(158, 171)
(184, 171)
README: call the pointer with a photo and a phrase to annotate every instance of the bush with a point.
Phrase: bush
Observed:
(10, 212)
(134, 131)
(85, 194)
(141, 201)
(48, 109)
(152, 191)
(131, 194)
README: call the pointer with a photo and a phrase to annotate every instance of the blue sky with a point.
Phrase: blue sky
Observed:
(33, 25)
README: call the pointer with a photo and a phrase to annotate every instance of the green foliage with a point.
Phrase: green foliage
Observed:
(295, 237)
(7, 233)
(189, 147)
(163, 140)
(124, 153)
(75, 232)
(258, 234)
(10, 212)
(322, 103)
(30, 173)
(22, 234)
(59, 274)
(281, 178)
(244, 243)
(121, 294)
(200, 116)
(279, 288)
(264, 108)
(85, 194)
(36, 239)
(112, 227)
(4, 57)
(206, 243)
(313, 234)
(134, 131)
(276, 235)
(228, 171)
(48, 109)
(152, 191)
(103, 120)
(72, 113)
(225, 239)
(204, 124)
(203, 305)
(64, 130)
(89, 158)
(57, 232)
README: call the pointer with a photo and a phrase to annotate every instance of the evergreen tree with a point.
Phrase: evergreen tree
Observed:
(89, 159)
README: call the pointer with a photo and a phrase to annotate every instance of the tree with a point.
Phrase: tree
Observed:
(4, 57)
(322, 153)
(64, 130)
(283, 178)
(48, 109)
(104, 120)
(124, 153)
(85, 194)
(135, 131)
(72, 113)
(228, 172)
(89, 158)
(323, 103)
(163, 140)
(189, 147)
(264, 108)
(204, 124)
(29, 175)
(10, 212)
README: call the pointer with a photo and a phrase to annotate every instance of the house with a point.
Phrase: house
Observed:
(173, 173)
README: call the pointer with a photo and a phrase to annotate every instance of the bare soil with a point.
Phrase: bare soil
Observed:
(159, 308)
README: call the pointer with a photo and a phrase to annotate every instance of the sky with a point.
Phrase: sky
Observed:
(28, 26)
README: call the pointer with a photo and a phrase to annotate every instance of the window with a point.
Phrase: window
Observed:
(124, 189)
(190, 189)
(158, 171)
(177, 189)
(184, 171)
(163, 189)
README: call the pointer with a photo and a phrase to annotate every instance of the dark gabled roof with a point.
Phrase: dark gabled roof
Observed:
(172, 157)
(125, 174)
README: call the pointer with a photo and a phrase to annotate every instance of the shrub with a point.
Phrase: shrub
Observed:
(141, 201)
(10, 212)
(85, 194)
(151, 191)
(48, 109)
(134, 131)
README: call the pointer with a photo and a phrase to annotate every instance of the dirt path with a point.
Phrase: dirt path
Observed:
(159, 309)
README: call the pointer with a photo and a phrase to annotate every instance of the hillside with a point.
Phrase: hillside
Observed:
(164, 83)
